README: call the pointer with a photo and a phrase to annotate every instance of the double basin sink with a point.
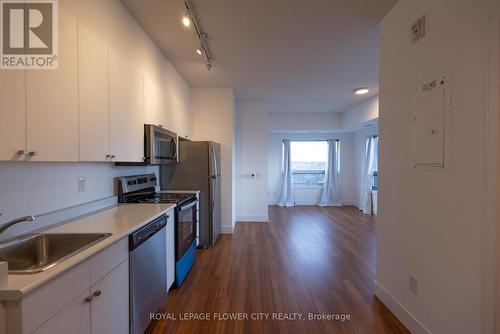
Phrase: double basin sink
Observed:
(33, 253)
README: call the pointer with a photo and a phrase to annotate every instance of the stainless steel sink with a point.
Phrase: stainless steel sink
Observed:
(34, 253)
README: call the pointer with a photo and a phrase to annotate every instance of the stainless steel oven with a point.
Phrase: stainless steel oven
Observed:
(160, 145)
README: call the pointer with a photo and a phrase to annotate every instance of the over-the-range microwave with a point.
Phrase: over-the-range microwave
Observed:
(160, 147)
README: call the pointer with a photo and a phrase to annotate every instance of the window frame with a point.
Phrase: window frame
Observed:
(307, 171)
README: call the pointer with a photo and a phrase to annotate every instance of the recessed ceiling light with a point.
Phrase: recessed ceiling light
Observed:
(186, 21)
(198, 51)
(361, 91)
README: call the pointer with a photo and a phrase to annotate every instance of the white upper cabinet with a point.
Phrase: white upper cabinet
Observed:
(154, 105)
(12, 114)
(126, 110)
(93, 99)
(52, 101)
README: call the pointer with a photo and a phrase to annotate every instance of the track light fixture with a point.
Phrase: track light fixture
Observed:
(189, 19)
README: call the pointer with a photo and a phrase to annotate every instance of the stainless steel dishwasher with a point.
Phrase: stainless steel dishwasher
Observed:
(148, 270)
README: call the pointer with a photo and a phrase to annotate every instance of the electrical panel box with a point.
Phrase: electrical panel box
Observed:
(430, 124)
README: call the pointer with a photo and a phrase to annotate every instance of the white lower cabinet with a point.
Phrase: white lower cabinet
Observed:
(109, 305)
(92, 297)
(170, 248)
(73, 318)
(103, 309)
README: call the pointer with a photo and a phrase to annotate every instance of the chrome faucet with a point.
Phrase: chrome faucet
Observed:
(16, 221)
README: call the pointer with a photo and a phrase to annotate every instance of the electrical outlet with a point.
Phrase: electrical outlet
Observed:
(413, 285)
(82, 184)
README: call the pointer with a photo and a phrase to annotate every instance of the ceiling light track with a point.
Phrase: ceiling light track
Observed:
(202, 37)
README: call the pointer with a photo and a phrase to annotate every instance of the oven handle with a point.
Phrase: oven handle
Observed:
(190, 205)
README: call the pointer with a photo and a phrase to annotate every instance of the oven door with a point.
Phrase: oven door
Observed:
(161, 145)
(185, 227)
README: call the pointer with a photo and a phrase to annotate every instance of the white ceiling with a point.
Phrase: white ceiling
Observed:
(300, 55)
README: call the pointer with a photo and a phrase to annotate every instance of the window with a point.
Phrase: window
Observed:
(309, 160)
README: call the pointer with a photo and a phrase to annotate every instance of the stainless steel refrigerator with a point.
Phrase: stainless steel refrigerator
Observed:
(198, 169)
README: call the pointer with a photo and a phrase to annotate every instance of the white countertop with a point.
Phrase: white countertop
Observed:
(120, 220)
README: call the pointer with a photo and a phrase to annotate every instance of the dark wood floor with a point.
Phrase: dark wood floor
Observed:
(305, 260)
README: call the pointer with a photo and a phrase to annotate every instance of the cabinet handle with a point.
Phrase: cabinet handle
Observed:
(96, 293)
(160, 125)
(32, 153)
(22, 152)
(108, 156)
(113, 156)
(88, 299)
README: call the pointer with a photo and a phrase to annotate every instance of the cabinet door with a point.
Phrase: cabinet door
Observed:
(52, 101)
(73, 318)
(110, 303)
(12, 114)
(126, 110)
(170, 249)
(154, 106)
(93, 97)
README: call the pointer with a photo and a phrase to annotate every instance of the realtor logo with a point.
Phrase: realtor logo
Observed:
(29, 34)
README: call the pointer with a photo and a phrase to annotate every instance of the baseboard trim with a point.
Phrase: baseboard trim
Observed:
(227, 229)
(252, 219)
(408, 319)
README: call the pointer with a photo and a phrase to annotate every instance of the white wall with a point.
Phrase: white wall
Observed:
(364, 113)
(36, 188)
(214, 119)
(432, 223)
(359, 157)
(251, 158)
(296, 122)
(310, 195)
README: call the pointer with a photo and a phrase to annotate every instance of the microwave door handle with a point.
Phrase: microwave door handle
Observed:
(151, 144)
(173, 148)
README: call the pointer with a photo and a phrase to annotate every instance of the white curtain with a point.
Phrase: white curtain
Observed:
(365, 198)
(286, 196)
(330, 194)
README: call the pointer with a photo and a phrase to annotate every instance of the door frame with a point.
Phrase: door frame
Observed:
(490, 227)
